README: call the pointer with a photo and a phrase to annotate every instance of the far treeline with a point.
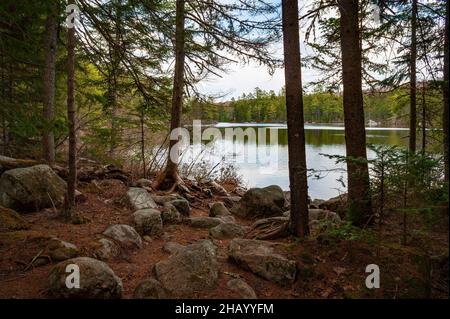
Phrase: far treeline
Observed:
(388, 109)
(97, 79)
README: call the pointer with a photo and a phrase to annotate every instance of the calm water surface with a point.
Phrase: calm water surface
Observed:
(320, 139)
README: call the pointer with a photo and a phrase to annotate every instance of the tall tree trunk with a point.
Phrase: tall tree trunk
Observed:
(113, 77)
(424, 119)
(71, 115)
(48, 138)
(446, 84)
(360, 205)
(294, 107)
(144, 168)
(413, 80)
(171, 169)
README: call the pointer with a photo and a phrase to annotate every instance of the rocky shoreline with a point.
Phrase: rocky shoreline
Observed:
(189, 268)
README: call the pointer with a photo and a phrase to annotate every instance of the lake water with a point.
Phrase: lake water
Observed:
(320, 139)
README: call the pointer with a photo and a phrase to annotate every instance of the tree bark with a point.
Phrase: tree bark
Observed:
(71, 115)
(413, 80)
(360, 206)
(424, 119)
(48, 138)
(171, 169)
(445, 90)
(142, 124)
(295, 125)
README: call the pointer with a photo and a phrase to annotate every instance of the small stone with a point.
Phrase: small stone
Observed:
(226, 231)
(125, 235)
(106, 249)
(139, 198)
(204, 222)
(148, 221)
(170, 215)
(242, 288)
(150, 289)
(218, 209)
(142, 182)
(60, 250)
(182, 205)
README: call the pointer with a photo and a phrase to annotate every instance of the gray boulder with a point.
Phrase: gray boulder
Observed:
(148, 221)
(230, 201)
(218, 209)
(182, 205)
(150, 289)
(260, 203)
(170, 215)
(191, 270)
(204, 222)
(31, 188)
(260, 257)
(226, 231)
(125, 235)
(336, 204)
(97, 280)
(139, 198)
(163, 199)
(241, 288)
(106, 249)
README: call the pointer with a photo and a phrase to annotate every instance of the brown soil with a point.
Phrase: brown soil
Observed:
(328, 268)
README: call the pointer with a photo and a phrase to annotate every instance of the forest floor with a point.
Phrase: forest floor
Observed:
(328, 267)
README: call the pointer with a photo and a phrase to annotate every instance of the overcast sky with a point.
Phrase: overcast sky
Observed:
(242, 78)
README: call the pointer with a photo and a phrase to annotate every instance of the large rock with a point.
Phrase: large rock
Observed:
(204, 222)
(226, 231)
(150, 289)
(243, 289)
(106, 249)
(260, 257)
(139, 198)
(172, 247)
(31, 188)
(261, 203)
(163, 199)
(125, 235)
(336, 204)
(182, 205)
(218, 209)
(170, 214)
(10, 220)
(191, 270)
(97, 280)
(148, 221)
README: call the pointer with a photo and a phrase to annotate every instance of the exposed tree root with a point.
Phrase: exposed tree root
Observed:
(166, 177)
(269, 228)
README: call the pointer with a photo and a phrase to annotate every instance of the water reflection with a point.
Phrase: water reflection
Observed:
(252, 159)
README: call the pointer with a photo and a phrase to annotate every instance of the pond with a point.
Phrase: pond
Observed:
(262, 161)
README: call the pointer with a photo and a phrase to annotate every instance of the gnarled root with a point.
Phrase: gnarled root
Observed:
(269, 228)
(168, 177)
